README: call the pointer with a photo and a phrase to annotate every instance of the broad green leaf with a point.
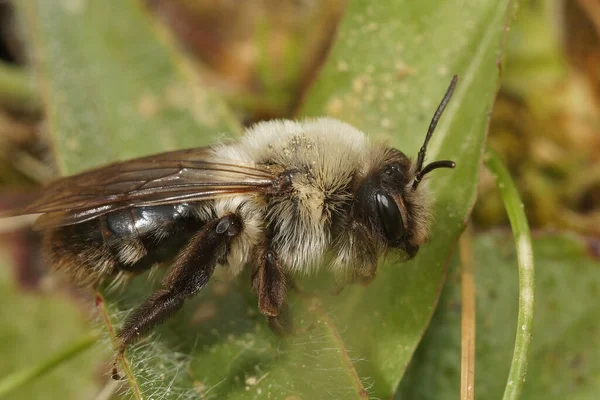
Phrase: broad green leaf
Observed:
(33, 326)
(386, 75)
(114, 88)
(566, 346)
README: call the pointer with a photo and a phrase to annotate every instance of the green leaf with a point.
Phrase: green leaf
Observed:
(34, 325)
(386, 75)
(565, 348)
(114, 88)
(220, 346)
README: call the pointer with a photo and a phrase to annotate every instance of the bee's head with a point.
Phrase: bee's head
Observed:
(390, 198)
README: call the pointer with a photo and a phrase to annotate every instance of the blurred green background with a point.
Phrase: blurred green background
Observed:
(262, 59)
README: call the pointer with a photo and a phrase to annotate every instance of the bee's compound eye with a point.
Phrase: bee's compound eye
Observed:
(390, 216)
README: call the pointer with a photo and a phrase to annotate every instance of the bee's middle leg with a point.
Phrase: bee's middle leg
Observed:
(365, 276)
(270, 284)
(191, 271)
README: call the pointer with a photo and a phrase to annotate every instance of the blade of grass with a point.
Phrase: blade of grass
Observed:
(467, 334)
(17, 379)
(522, 235)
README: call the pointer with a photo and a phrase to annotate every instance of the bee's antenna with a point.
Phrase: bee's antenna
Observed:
(422, 171)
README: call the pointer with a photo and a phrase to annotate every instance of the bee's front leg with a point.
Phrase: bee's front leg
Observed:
(270, 284)
(190, 273)
(363, 275)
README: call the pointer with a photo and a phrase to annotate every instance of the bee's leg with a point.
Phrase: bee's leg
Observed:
(191, 271)
(281, 324)
(270, 284)
(363, 276)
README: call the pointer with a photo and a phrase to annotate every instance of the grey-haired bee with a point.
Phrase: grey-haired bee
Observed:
(280, 199)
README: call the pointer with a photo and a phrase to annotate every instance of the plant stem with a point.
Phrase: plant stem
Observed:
(16, 88)
(19, 378)
(467, 332)
(520, 227)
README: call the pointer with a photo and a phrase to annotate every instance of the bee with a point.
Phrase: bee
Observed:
(281, 199)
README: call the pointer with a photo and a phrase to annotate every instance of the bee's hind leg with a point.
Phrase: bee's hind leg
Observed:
(191, 271)
(270, 284)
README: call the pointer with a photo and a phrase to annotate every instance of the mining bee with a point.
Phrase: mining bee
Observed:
(279, 199)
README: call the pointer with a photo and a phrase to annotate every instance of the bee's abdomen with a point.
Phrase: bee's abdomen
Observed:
(131, 240)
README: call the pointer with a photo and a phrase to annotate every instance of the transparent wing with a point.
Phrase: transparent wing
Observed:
(167, 178)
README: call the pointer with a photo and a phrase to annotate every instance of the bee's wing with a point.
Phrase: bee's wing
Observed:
(168, 178)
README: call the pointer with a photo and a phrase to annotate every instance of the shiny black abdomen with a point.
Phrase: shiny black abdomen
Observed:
(161, 231)
(132, 239)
